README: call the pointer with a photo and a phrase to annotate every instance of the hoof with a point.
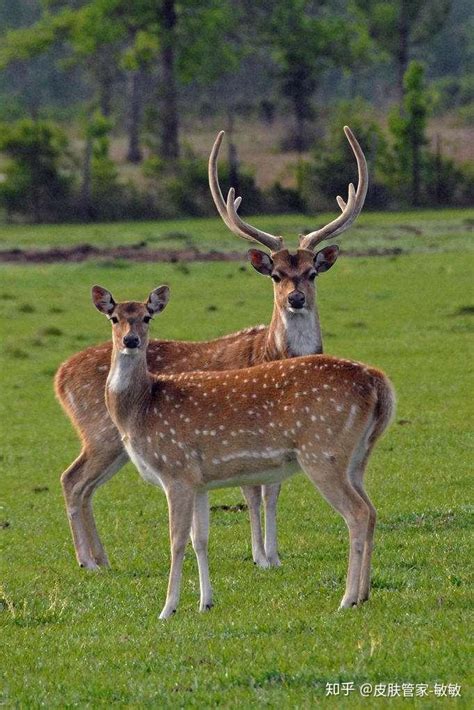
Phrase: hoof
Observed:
(90, 565)
(347, 604)
(262, 562)
(206, 607)
(102, 562)
(166, 613)
(274, 561)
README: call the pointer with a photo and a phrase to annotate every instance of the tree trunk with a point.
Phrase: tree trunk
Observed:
(169, 117)
(134, 154)
(403, 50)
(439, 171)
(299, 127)
(234, 180)
(86, 187)
(415, 183)
(106, 80)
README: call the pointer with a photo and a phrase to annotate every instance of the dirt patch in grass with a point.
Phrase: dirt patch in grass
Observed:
(464, 311)
(237, 508)
(85, 252)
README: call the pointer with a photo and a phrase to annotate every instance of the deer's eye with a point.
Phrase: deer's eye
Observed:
(312, 276)
(276, 278)
(113, 319)
(147, 319)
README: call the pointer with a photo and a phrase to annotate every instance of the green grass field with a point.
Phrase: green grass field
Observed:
(274, 638)
(415, 231)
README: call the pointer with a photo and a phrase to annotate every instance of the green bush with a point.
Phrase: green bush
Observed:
(333, 165)
(37, 184)
(279, 199)
(446, 183)
(452, 92)
(415, 175)
(107, 198)
(184, 188)
(466, 114)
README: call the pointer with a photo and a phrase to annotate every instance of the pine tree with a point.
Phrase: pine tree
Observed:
(408, 126)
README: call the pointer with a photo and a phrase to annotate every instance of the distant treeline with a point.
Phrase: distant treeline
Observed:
(74, 74)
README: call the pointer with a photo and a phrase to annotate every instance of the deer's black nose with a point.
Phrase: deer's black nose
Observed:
(131, 341)
(296, 299)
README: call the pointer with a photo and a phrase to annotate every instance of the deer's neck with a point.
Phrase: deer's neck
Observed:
(128, 387)
(293, 334)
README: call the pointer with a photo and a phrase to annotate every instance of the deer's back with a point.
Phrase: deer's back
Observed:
(80, 380)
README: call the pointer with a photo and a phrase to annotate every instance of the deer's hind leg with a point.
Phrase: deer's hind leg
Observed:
(356, 471)
(92, 468)
(253, 496)
(200, 539)
(270, 500)
(331, 479)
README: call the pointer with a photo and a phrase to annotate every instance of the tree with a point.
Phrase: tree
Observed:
(306, 39)
(88, 41)
(186, 41)
(35, 184)
(400, 27)
(408, 127)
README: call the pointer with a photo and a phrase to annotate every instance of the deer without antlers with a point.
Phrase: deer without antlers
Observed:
(320, 414)
(294, 330)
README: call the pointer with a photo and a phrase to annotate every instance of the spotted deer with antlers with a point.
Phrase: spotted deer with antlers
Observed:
(294, 330)
(316, 413)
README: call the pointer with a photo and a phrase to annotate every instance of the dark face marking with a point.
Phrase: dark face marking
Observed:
(293, 275)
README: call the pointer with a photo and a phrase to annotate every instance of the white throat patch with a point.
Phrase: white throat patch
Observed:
(121, 372)
(302, 332)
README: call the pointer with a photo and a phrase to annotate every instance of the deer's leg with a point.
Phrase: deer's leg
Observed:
(356, 472)
(71, 481)
(365, 574)
(253, 496)
(270, 499)
(334, 485)
(180, 507)
(200, 538)
(79, 481)
(109, 469)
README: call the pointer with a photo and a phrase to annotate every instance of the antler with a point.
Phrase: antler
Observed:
(351, 209)
(228, 211)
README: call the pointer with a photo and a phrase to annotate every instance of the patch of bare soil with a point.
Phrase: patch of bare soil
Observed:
(87, 252)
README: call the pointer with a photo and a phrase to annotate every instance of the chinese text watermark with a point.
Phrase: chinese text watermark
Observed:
(395, 690)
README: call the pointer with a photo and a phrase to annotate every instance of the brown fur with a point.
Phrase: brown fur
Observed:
(193, 431)
(80, 382)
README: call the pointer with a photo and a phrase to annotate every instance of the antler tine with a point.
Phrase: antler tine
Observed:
(228, 211)
(246, 230)
(214, 180)
(351, 209)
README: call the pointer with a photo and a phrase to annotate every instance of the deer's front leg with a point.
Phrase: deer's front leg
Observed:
(253, 496)
(73, 481)
(270, 499)
(200, 538)
(180, 507)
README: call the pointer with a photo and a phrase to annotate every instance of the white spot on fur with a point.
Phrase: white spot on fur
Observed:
(351, 418)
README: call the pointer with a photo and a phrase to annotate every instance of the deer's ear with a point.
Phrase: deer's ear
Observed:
(260, 261)
(158, 299)
(103, 300)
(324, 259)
